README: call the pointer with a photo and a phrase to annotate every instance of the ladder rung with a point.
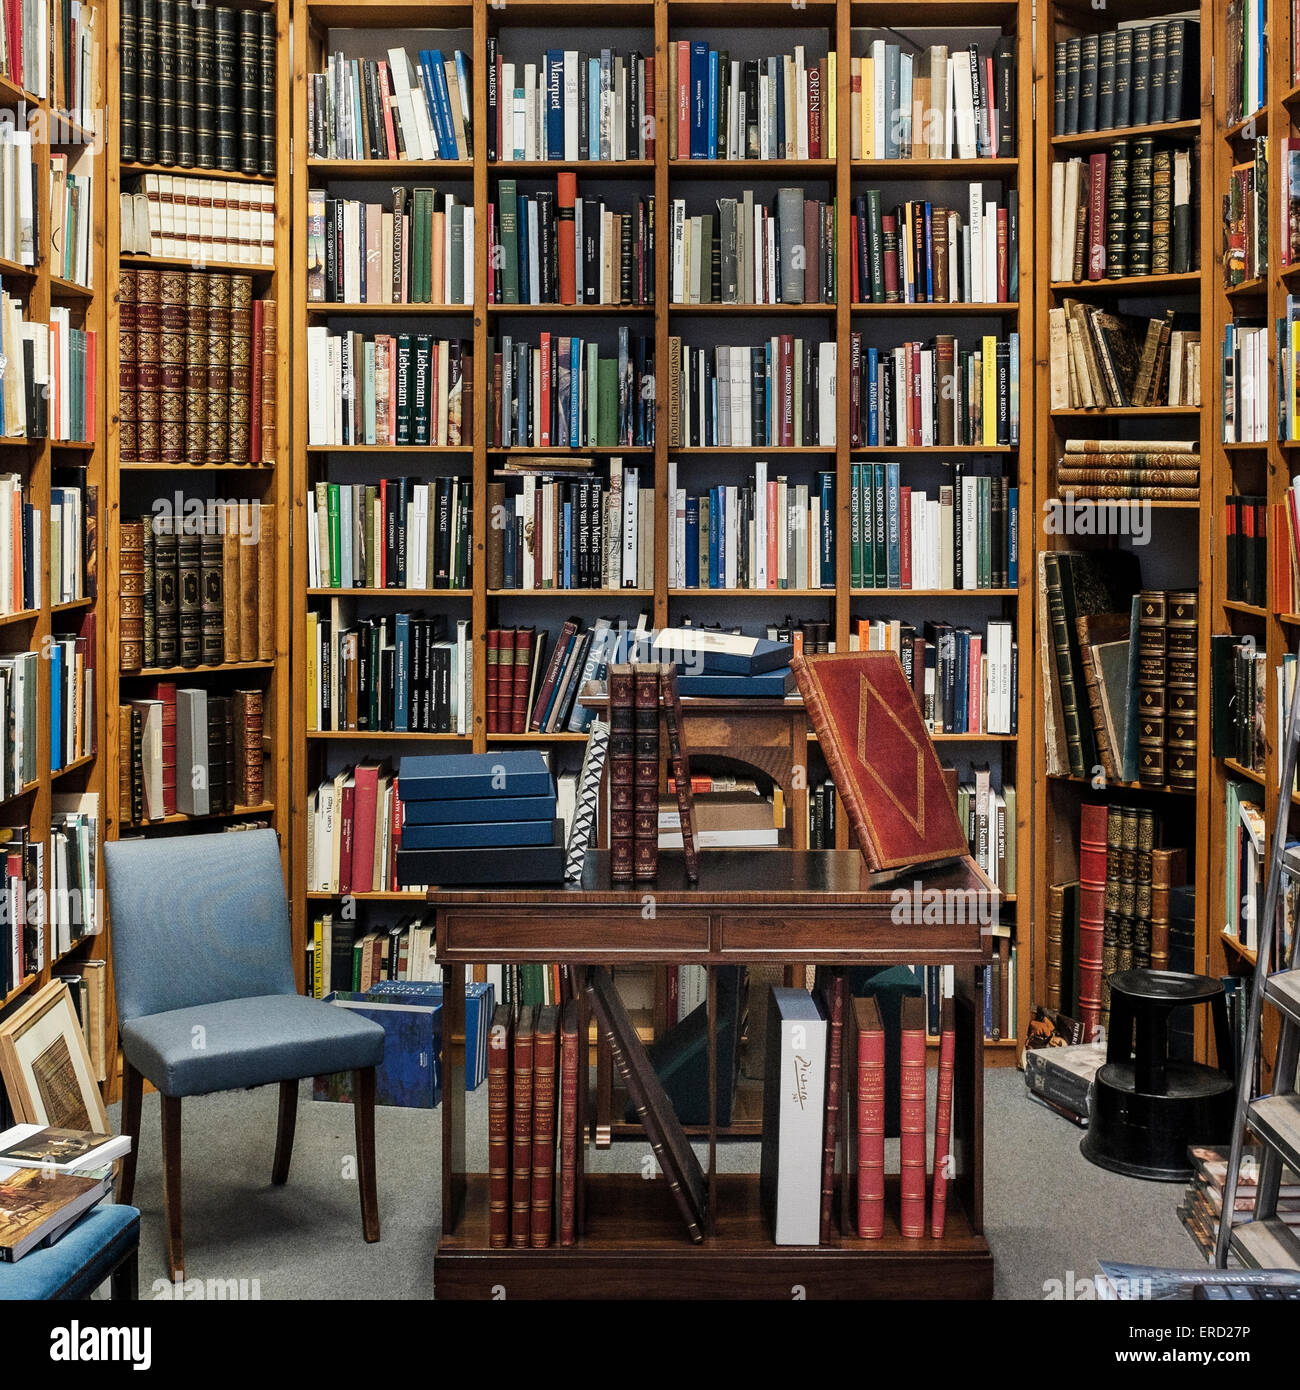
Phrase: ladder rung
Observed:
(1276, 1120)
(1266, 1244)
(1283, 992)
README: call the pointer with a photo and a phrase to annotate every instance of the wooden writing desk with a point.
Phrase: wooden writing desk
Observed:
(819, 906)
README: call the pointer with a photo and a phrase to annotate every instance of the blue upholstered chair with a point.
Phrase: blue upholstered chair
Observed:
(206, 1000)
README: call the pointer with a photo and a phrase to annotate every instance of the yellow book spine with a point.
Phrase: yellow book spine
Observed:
(313, 695)
(989, 390)
(318, 960)
(831, 105)
(868, 109)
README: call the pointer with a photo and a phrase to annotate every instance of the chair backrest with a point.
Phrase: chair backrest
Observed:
(196, 920)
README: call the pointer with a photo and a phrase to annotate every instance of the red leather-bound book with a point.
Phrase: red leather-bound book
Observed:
(1003, 269)
(165, 691)
(905, 537)
(1092, 913)
(569, 1123)
(679, 764)
(544, 1093)
(500, 1041)
(347, 831)
(943, 1117)
(833, 999)
(645, 843)
(868, 1127)
(881, 757)
(683, 99)
(911, 1118)
(1097, 217)
(622, 772)
(493, 686)
(566, 193)
(521, 1176)
(506, 680)
(648, 90)
(363, 829)
(523, 668)
(544, 409)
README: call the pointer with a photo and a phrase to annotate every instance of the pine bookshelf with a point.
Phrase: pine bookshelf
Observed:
(1181, 553)
(37, 462)
(134, 486)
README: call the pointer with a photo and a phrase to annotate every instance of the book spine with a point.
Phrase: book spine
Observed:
(645, 845)
(622, 769)
(499, 1059)
(834, 1097)
(911, 1119)
(569, 1121)
(521, 1188)
(544, 1096)
(870, 1120)
(943, 1119)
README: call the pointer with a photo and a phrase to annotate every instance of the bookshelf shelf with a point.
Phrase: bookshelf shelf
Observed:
(754, 310)
(390, 168)
(326, 310)
(1248, 289)
(1241, 770)
(398, 594)
(934, 168)
(179, 818)
(69, 289)
(259, 272)
(935, 593)
(551, 310)
(595, 168)
(154, 672)
(25, 615)
(128, 167)
(18, 990)
(1098, 139)
(751, 593)
(866, 450)
(72, 605)
(422, 449)
(571, 593)
(16, 270)
(944, 309)
(755, 168)
(77, 765)
(1251, 609)
(774, 449)
(1249, 127)
(1124, 412)
(137, 466)
(1129, 284)
(381, 736)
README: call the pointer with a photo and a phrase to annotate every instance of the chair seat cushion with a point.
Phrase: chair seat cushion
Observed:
(248, 1042)
(79, 1261)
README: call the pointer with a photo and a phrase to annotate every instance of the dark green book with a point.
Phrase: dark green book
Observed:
(508, 213)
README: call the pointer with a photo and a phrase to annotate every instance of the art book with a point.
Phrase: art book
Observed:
(881, 757)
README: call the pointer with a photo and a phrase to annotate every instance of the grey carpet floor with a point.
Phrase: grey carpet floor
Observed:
(1047, 1210)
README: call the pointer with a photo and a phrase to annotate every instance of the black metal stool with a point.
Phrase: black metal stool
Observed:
(1147, 1108)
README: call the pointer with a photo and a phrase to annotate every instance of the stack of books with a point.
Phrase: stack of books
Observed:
(1101, 359)
(1164, 470)
(1202, 1206)
(479, 818)
(1142, 74)
(712, 663)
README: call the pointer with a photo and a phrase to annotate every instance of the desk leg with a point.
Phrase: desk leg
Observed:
(453, 1098)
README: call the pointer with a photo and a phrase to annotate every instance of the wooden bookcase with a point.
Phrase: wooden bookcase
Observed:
(132, 485)
(37, 461)
(1181, 551)
(525, 30)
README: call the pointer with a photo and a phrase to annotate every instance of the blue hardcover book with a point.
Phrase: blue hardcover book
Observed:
(593, 108)
(437, 777)
(466, 96)
(698, 95)
(692, 542)
(770, 685)
(480, 1000)
(575, 390)
(828, 529)
(1013, 538)
(56, 707)
(878, 526)
(401, 672)
(893, 550)
(720, 506)
(425, 67)
(699, 651)
(873, 396)
(604, 639)
(442, 95)
(554, 104)
(410, 1076)
(464, 810)
(478, 835)
(525, 266)
(713, 103)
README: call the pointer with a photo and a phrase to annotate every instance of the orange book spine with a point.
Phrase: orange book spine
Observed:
(566, 196)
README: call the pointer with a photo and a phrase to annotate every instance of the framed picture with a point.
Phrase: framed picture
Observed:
(46, 1067)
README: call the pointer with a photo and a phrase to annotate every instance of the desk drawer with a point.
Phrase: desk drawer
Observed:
(858, 932)
(594, 934)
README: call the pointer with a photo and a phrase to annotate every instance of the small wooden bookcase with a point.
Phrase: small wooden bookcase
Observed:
(807, 905)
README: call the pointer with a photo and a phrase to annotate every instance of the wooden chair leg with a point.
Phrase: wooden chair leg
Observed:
(363, 1106)
(171, 1146)
(284, 1131)
(124, 1283)
(132, 1091)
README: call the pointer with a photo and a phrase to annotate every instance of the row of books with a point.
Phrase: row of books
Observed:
(18, 707)
(936, 103)
(1284, 556)
(354, 825)
(341, 957)
(22, 936)
(1245, 867)
(823, 814)
(923, 253)
(778, 107)
(550, 691)
(768, 533)
(198, 220)
(568, 530)
(71, 404)
(1245, 219)
(18, 198)
(367, 108)
(1126, 210)
(940, 393)
(25, 47)
(1132, 75)
(988, 814)
(1246, 549)
(751, 254)
(398, 533)
(571, 105)
(555, 247)
(25, 384)
(966, 537)
(1289, 209)
(399, 673)
(72, 694)
(780, 393)
(384, 388)
(419, 251)
(1160, 470)
(1101, 360)
(74, 57)
(565, 393)
(198, 359)
(198, 86)
(74, 902)
(197, 585)
(1244, 384)
(1246, 50)
(20, 550)
(1202, 1205)
(72, 220)
(1239, 710)
(186, 751)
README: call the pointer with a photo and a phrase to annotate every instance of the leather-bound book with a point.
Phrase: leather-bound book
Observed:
(525, 638)
(545, 1041)
(149, 602)
(166, 66)
(521, 1166)
(943, 1117)
(881, 757)
(250, 92)
(248, 568)
(225, 68)
(205, 88)
(184, 30)
(863, 1190)
(196, 366)
(645, 843)
(265, 549)
(832, 987)
(570, 1140)
(911, 1118)
(270, 388)
(211, 597)
(232, 745)
(239, 384)
(679, 764)
(128, 439)
(1062, 917)
(230, 592)
(148, 373)
(146, 109)
(1181, 688)
(1153, 648)
(1168, 871)
(218, 800)
(130, 596)
(218, 361)
(500, 1043)
(164, 692)
(653, 1109)
(494, 681)
(1114, 893)
(137, 764)
(1146, 833)
(622, 772)
(249, 768)
(266, 91)
(128, 84)
(496, 543)
(189, 600)
(125, 812)
(166, 552)
(1092, 913)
